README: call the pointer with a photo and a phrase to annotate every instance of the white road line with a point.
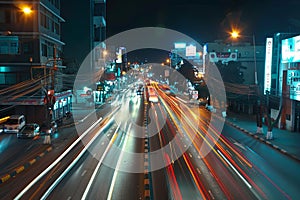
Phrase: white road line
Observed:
(235, 170)
(34, 181)
(87, 189)
(56, 182)
(83, 173)
(109, 197)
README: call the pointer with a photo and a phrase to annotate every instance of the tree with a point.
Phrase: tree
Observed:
(271, 123)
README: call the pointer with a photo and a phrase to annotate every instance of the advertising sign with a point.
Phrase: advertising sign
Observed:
(190, 50)
(268, 64)
(119, 56)
(180, 45)
(195, 94)
(293, 80)
(222, 56)
(290, 50)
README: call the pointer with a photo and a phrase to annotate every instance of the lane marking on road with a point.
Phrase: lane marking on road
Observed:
(34, 181)
(87, 189)
(5, 178)
(112, 185)
(235, 170)
(83, 173)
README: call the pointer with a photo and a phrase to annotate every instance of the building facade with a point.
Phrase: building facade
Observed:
(30, 60)
(30, 38)
(85, 34)
(241, 97)
(285, 82)
(250, 61)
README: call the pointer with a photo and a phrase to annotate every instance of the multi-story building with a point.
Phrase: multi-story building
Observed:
(84, 34)
(285, 79)
(85, 54)
(30, 55)
(30, 37)
(251, 57)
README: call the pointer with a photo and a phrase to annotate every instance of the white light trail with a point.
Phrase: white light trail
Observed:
(235, 170)
(34, 181)
(99, 164)
(109, 197)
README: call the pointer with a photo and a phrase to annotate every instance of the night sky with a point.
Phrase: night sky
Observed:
(203, 20)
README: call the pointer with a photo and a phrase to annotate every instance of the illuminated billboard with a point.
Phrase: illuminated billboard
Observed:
(180, 45)
(190, 50)
(121, 51)
(290, 50)
(224, 57)
(293, 80)
(268, 64)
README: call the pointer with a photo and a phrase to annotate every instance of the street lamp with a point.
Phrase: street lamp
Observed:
(235, 34)
(104, 57)
(26, 10)
(169, 61)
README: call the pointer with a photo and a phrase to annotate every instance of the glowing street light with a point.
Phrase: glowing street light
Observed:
(26, 10)
(104, 52)
(235, 34)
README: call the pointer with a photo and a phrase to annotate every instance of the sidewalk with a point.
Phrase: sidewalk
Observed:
(286, 142)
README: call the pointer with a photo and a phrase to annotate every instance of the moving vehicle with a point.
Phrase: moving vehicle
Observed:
(29, 131)
(14, 124)
(152, 96)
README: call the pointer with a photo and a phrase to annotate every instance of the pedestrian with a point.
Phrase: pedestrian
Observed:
(269, 135)
(47, 139)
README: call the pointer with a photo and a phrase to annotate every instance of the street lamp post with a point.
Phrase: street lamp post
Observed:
(254, 54)
(235, 34)
(169, 62)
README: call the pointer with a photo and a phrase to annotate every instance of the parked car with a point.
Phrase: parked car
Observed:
(49, 130)
(14, 124)
(29, 131)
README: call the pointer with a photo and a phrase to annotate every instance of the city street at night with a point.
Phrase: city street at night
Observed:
(149, 100)
(117, 159)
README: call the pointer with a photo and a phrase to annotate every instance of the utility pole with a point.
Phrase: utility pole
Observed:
(54, 68)
(50, 99)
(259, 113)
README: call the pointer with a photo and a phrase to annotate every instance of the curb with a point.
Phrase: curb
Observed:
(21, 168)
(261, 139)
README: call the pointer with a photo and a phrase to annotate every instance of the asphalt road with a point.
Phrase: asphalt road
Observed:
(164, 150)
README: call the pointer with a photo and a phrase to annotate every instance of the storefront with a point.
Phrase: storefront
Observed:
(62, 105)
(289, 83)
